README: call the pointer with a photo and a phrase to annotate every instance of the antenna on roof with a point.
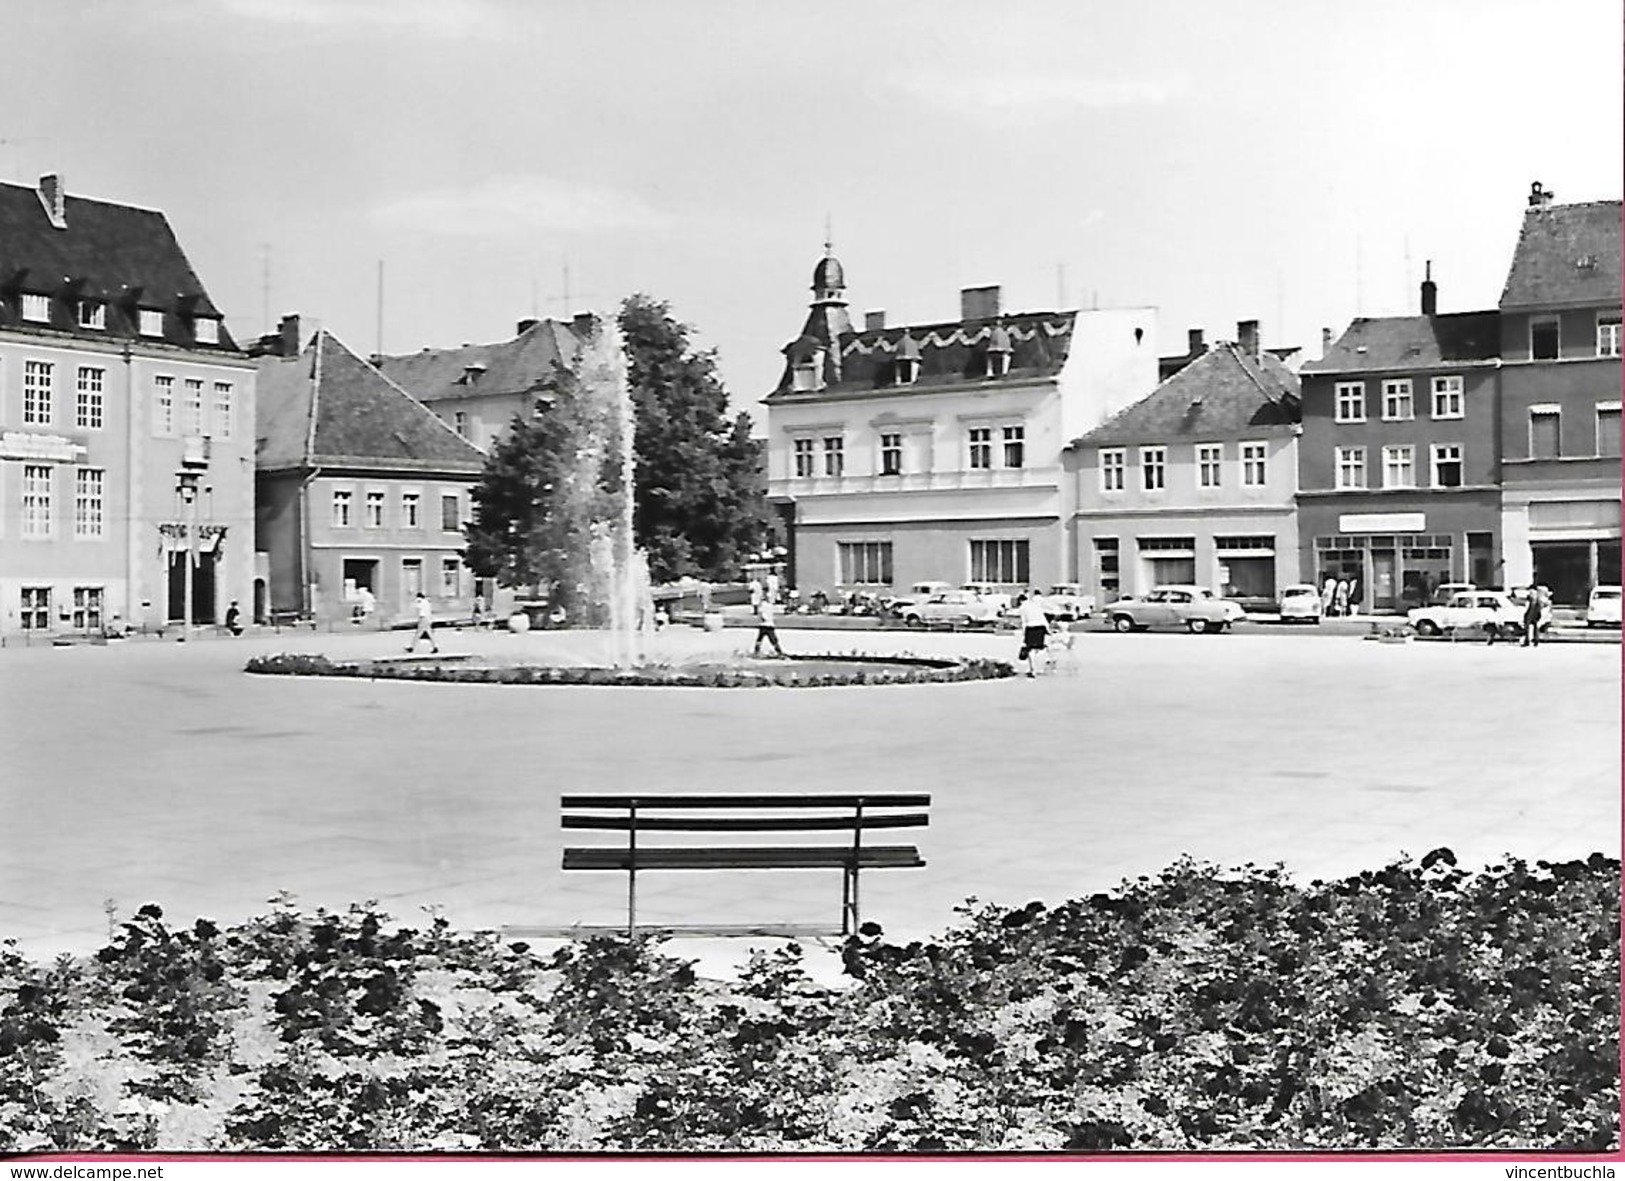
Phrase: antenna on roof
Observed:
(265, 285)
(380, 349)
(829, 235)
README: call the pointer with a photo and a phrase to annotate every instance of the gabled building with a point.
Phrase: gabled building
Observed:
(904, 453)
(1399, 465)
(479, 388)
(1560, 398)
(360, 487)
(126, 422)
(1194, 482)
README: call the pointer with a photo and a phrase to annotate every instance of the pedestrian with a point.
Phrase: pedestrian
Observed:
(1342, 596)
(1328, 597)
(478, 619)
(1034, 630)
(773, 585)
(234, 619)
(1531, 620)
(765, 629)
(425, 629)
(755, 592)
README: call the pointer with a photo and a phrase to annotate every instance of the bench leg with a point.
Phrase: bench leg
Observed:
(850, 920)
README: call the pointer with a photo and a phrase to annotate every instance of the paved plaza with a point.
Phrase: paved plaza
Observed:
(159, 772)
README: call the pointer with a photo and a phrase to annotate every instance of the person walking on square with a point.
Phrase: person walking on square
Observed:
(234, 619)
(765, 629)
(425, 629)
(478, 620)
(1531, 620)
(1342, 596)
(1034, 630)
(1328, 597)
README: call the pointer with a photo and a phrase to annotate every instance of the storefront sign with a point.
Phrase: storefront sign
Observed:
(53, 448)
(1382, 522)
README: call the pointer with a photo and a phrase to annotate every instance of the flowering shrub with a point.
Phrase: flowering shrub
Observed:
(1417, 1006)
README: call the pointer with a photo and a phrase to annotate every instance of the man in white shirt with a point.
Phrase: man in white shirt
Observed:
(765, 629)
(1034, 630)
(425, 631)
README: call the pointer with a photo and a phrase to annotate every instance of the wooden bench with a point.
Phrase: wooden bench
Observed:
(638, 816)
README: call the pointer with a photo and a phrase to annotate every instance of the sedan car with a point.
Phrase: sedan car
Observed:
(1194, 608)
(917, 593)
(990, 593)
(1300, 602)
(1476, 609)
(1602, 610)
(1067, 601)
(953, 606)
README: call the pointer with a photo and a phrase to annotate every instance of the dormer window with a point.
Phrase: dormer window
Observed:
(150, 323)
(998, 364)
(92, 314)
(805, 375)
(207, 329)
(908, 370)
(998, 352)
(37, 308)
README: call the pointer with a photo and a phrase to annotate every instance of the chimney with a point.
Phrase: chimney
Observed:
(874, 321)
(584, 324)
(54, 197)
(978, 303)
(1540, 198)
(1325, 342)
(1430, 292)
(1247, 337)
(288, 337)
(1197, 344)
(525, 326)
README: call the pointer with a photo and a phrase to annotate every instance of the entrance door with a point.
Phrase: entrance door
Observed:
(1565, 567)
(1480, 559)
(411, 580)
(1384, 592)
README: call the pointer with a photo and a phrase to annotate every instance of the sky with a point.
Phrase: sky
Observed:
(1290, 161)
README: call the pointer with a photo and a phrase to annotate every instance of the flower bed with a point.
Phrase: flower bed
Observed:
(1412, 1007)
(810, 671)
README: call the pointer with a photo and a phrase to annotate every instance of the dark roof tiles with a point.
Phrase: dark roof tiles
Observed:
(1412, 342)
(1224, 391)
(1566, 254)
(526, 364)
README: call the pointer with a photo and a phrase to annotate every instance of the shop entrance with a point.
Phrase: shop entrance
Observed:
(1565, 568)
(203, 590)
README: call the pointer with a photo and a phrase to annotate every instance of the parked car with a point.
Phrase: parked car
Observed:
(1446, 591)
(917, 593)
(1474, 609)
(951, 606)
(989, 591)
(1192, 607)
(1300, 602)
(1602, 609)
(1066, 600)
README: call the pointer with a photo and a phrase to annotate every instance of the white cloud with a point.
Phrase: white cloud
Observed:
(1001, 97)
(520, 204)
(435, 18)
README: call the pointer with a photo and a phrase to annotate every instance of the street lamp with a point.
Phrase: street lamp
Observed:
(186, 487)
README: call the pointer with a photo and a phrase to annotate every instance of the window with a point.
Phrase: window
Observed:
(409, 509)
(1254, 471)
(163, 405)
(1351, 467)
(451, 573)
(1608, 335)
(87, 409)
(37, 308)
(36, 612)
(1608, 429)
(891, 457)
(375, 510)
(865, 563)
(150, 323)
(981, 447)
(192, 407)
(448, 513)
(87, 502)
(1208, 458)
(1399, 467)
(341, 508)
(411, 578)
(1015, 446)
(1111, 469)
(87, 608)
(804, 458)
(1153, 461)
(222, 409)
(908, 370)
(834, 456)
(1447, 465)
(1350, 401)
(207, 330)
(36, 500)
(1545, 432)
(92, 314)
(1396, 400)
(38, 378)
(1447, 397)
(999, 561)
(805, 376)
(1544, 339)
(459, 423)
(1106, 563)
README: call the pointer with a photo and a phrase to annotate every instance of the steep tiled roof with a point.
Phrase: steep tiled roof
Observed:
(328, 406)
(125, 257)
(949, 353)
(1566, 254)
(1224, 391)
(527, 363)
(1412, 342)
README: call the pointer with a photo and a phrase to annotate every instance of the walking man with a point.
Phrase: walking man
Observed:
(1034, 630)
(1531, 620)
(765, 629)
(425, 629)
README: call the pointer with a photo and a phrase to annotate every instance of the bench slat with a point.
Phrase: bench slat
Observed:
(763, 857)
(774, 801)
(747, 823)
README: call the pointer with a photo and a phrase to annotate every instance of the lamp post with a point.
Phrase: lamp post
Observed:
(186, 486)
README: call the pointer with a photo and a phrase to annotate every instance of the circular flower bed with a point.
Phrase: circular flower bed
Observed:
(802, 672)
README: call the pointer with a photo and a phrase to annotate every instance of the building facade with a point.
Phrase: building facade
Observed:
(1560, 399)
(1399, 465)
(1193, 483)
(362, 491)
(933, 451)
(126, 423)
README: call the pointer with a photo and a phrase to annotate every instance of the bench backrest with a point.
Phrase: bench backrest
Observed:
(652, 813)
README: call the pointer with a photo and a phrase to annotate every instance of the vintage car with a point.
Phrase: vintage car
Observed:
(1602, 610)
(1067, 601)
(1194, 608)
(990, 592)
(1300, 602)
(1474, 610)
(951, 606)
(917, 593)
